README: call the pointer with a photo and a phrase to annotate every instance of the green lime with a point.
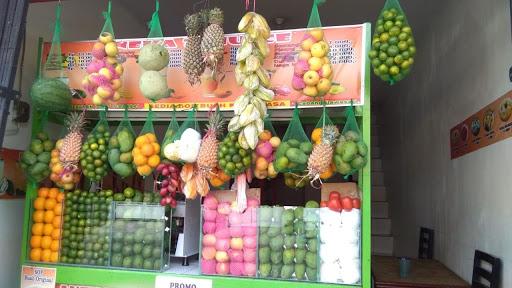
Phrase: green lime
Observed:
(394, 70)
(412, 50)
(383, 69)
(384, 37)
(230, 166)
(127, 250)
(405, 65)
(393, 51)
(127, 262)
(398, 59)
(372, 54)
(393, 40)
(388, 25)
(242, 152)
(236, 158)
(247, 161)
(402, 45)
(376, 71)
(94, 146)
(406, 55)
(384, 47)
(407, 30)
(157, 253)
(102, 148)
(376, 62)
(222, 162)
(380, 29)
(399, 24)
(137, 248)
(148, 264)
(394, 31)
(388, 15)
(96, 154)
(147, 251)
(389, 62)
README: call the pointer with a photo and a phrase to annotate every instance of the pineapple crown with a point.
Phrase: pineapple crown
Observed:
(216, 124)
(75, 121)
(329, 134)
(193, 24)
(216, 16)
(204, 16)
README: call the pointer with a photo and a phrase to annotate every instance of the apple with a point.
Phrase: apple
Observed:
(222, 268)
(301, 67)
(105, 72)
(209, 240)
(310, 91)
(326, 60)
(311, 78)
(116, 96)
(315, 63)
(111, 60)
(326, 71)
(317, 33)
(98, 50)
(119, 69)
(325, 46)
(307, 43)
(221, 256)
(323, 86)
(116, 84)
(224, 208)
(111, 49)
(106, 37)
(317, 50)
(104, 92)
(237, 243)
(96, 99)
(297, 84)
(304, 55)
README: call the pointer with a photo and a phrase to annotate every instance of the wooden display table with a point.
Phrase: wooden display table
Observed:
(424, 273)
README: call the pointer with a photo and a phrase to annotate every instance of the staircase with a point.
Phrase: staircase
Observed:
(382, 238)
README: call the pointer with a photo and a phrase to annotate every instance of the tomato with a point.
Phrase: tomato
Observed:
(356, 203)
(323, 204)
(334, 204)
(334, 194)
(346, 203)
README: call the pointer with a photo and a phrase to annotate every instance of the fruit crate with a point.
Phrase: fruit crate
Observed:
(138, 236)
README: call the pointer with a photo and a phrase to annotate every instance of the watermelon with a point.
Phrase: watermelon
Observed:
(51, 95)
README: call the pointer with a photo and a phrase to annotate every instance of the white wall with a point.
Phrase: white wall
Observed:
(462, 65)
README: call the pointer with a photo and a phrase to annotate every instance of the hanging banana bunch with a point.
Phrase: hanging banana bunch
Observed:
(251, 107)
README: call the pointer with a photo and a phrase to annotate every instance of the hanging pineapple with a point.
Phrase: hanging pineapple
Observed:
(72, 143)
(212, 44)
(207, 159)
(193, 63)
(321, 156)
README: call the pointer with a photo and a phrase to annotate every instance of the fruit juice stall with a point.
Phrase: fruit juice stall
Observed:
(247, 154)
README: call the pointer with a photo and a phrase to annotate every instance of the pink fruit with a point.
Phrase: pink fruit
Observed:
(250, 255)
(221, 220)
(222, 256)
(222, 233)
(208, 266)
(98, 80)
(209, 253)
(250, 269)
(236, 231)
(235, 219)
(98, 50)
(222, 268)
(210, 202)
(250, 217)
(236, 255)
(264, 149)
(224, 208)
(209, 240)
(298, 83)
(95, 66)
(250, 230)
(236, 243)
(209, 215)
(301, 67)
(253, 202)
(222, 245)
(250, 242)
(236, 268)
(209, 227)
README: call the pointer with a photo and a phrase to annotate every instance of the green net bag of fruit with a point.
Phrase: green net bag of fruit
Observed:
(94, 154)
(50, 91)
(103, 81)
(120, 148)
(35, 160)
(184, 145)
(351, 153)
(393, 49)
(146, 153)
(292, 155)
(172, 129)
(318, 136)
(268, 142)
(154, 59)
(313, 71)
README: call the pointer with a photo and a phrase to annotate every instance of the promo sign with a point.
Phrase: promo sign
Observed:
(180, 282)
(347, 55)
(38, 277)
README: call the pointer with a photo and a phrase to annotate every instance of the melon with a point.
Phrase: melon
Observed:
(51, 95)
(154, 86)
(153, 57)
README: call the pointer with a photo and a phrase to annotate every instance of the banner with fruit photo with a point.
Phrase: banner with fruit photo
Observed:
(347, 50)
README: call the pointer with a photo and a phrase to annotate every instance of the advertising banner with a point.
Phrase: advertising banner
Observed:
(38, 277)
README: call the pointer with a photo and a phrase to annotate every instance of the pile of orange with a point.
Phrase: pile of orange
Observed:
(146, 154)
(46, 225)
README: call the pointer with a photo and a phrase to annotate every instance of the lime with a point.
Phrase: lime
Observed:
(157, 253)
(236, 158)
(138, 262)
(398, 59)
(96, 154)
(388, 25)
(147, 251)
(148, 264)
(137, 248)
(388, 15)
(394, 70)
(384, 47)
(376, 72)
(239, 166)
(230, 166)
(393, 40)
(94, 146)
(383, 56)
(89, 159)
(407, 29)
(247, 160)
(410, 42)
(402, 45)
(412, 51)
(222, 162)
(383, 69)
(127, 250)
(393, 51)
(384, 37)
(376, 62)
(375, 41)
(405, 65)
(127, 262)
(389, 62)
(372, 54)
(148, 238)
(242, 152)
(380, 29)
(400, 18)
(227, 158)
(102, 148)
(406, 55)
(99, 171)
(399, 24)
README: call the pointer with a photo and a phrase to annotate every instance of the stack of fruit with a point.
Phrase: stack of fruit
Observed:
(233, 159)
(130, 195)
(287, 243)
(104, 72)
(63, 178)
(138, 243)
(169, 183)
(264, 155)
(316, 138)
(393, 47)
(153, 58)
(35, 160)
(86, 234)
(120, 148)
(351, 153)
(46, 226)
(229, 238)
(292, 154)
(313, 70)
(94, 154)
(146, 153)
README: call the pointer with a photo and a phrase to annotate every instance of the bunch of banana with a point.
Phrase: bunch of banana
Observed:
(251, 107)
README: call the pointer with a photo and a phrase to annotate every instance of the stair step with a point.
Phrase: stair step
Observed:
(375, 152)
(381, 226)
(378, 178)
(380, 210)
(379, 193)
(376, 165)
(382, 245)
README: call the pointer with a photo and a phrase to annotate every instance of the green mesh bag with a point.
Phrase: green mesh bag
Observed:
(185, 143)
(120, 148)
(171, 130)
(148, 124)
(393, 48)
(53, 66)
(36, 158)
(108, 29)
(317, 134)
(155, 29)
(351, 153)
(267, 124)
(146, 153)
(94, 154)
(292, 155)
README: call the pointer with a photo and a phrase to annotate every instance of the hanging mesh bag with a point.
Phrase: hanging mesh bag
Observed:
(94, 154)
(146, 153)
(184, 145)
(120, 148)
(172, 129)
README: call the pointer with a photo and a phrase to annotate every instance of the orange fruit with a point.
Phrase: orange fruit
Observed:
(48, 216)
(55, 154)
(261, 164)
(56, 234)
(47, 229)
(316, 135)
(147, 150)
(326, 174)
(216, 182)
(37, 229)
(156, 147)
(53, 193)
(153, 161)
(55, 245)
(223, 176)
(57, 211)
(135, 151)
(60, 197)
(57, 168)
(140, 141)
(54, 257)
(39, 203)
(35, 254)
(151, 137)
(54, 177)
(38, 216)
(140, 160)
(57, 222)
(50, 203)
(46, 255)
(265, 135)
(35, 241)
(144, 170)
(43, 192)
(46, 242)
